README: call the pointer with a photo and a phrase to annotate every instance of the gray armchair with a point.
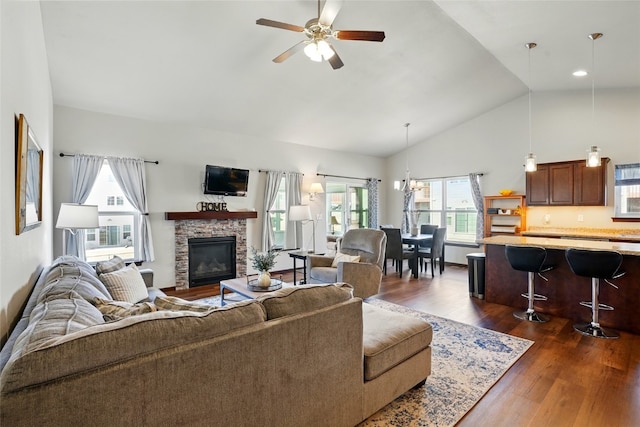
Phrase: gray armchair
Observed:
(365, 276)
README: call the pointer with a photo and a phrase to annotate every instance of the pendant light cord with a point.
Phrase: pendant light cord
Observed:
(530, 46)
(593, 81)
(406, 180)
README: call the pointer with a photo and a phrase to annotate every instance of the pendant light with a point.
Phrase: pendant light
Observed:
(593, 154)
(411, 183)
(530, 164)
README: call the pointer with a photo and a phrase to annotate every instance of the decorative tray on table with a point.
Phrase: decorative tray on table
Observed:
(252, 285)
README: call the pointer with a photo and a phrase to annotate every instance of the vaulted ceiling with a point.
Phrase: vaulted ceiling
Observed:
(207, 63)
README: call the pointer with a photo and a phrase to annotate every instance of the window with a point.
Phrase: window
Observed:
(627, 190)
(118, 220)
(447, 202)
(347, 207)
(278, 213)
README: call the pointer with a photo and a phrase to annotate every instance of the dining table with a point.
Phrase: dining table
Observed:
(417, 241)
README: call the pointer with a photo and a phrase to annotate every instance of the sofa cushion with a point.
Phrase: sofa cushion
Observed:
(305, 298)
(179, 304)
(53, 319)
(390, 338)
(109, 266)
(135, 336)
(340, 257)
(64, 281)
(125, 284)
(116, 310)
(324, 274)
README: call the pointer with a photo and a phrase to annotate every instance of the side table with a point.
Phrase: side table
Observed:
(302, 255)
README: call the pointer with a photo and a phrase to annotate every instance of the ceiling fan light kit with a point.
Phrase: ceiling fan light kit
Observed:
(318, 30)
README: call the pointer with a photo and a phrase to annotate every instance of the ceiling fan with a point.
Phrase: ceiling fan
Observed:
(318, 30)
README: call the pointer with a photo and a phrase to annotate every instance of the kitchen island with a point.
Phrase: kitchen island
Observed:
(565, 290)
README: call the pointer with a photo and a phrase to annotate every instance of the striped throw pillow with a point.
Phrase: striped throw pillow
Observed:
(114, 264)
(126, 284)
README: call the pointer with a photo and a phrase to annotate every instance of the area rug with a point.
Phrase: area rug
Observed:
(466, 362)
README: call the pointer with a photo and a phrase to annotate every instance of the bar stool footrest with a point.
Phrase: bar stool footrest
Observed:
(536, 297)
(589, 304)
(595, 331)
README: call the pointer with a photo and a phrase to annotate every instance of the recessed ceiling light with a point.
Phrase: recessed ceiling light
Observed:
(580, 73)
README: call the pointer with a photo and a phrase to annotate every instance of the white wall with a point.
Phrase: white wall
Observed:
(183, 152)
(25, 88)
(496, 143)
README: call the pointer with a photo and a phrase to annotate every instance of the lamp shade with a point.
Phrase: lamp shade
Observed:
(76, 216)
(334, 220)
(300, 213)
(316, 187)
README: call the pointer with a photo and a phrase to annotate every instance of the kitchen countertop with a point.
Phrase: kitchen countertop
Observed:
(562, 244)
(629, 235)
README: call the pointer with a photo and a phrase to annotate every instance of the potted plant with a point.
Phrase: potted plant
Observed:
(263, 262)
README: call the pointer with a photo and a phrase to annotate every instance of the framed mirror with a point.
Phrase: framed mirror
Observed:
(29, 157)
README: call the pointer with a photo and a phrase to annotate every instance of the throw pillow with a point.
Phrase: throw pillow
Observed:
(179, 304)
(340, 257)
(126, 284)
(114, 264)
(116, 310)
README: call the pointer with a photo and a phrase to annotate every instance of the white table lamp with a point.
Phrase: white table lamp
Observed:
(73, 216)
(302, 213)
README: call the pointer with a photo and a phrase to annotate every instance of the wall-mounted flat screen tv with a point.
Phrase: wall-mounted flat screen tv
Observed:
(223, 181)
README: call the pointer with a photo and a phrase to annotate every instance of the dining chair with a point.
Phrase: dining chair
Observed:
(396, 251)
(435, 251)
(426, 229)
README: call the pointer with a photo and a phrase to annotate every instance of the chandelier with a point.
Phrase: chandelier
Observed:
(410, 184)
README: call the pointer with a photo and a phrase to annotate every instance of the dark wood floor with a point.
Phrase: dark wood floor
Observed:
(564, 379)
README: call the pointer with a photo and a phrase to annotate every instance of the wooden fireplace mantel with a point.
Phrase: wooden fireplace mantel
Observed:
(174, 216)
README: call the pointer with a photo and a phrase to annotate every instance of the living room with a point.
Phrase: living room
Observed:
(494, 142)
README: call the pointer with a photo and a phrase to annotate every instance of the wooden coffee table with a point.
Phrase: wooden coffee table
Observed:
(239, 286)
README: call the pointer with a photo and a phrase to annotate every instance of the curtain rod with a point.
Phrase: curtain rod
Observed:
(155, 162)
(443, 177)
(341, 176)
(267, 170)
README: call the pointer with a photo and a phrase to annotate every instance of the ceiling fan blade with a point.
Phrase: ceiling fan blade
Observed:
(287, 53)
(283, 25)
(329, 12)
(371, 36)
(335, 60)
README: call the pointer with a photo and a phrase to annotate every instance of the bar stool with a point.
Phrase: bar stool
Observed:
(530, 259)
(595, 265)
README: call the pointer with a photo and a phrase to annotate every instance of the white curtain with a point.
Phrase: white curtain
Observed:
(478, 201)
(293, 232)
(84, 174)
(130, 175)
(270, 194)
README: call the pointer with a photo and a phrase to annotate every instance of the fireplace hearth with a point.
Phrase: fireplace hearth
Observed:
(211, 259)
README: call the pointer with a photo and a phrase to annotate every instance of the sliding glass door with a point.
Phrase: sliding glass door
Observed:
(347, 207)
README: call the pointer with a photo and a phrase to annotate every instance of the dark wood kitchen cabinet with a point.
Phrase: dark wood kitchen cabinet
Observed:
(590, 186)
(567, 184)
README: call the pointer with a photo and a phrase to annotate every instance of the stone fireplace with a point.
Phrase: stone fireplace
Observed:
(206, 225)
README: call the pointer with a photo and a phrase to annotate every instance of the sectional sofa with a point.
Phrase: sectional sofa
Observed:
(305, 356)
